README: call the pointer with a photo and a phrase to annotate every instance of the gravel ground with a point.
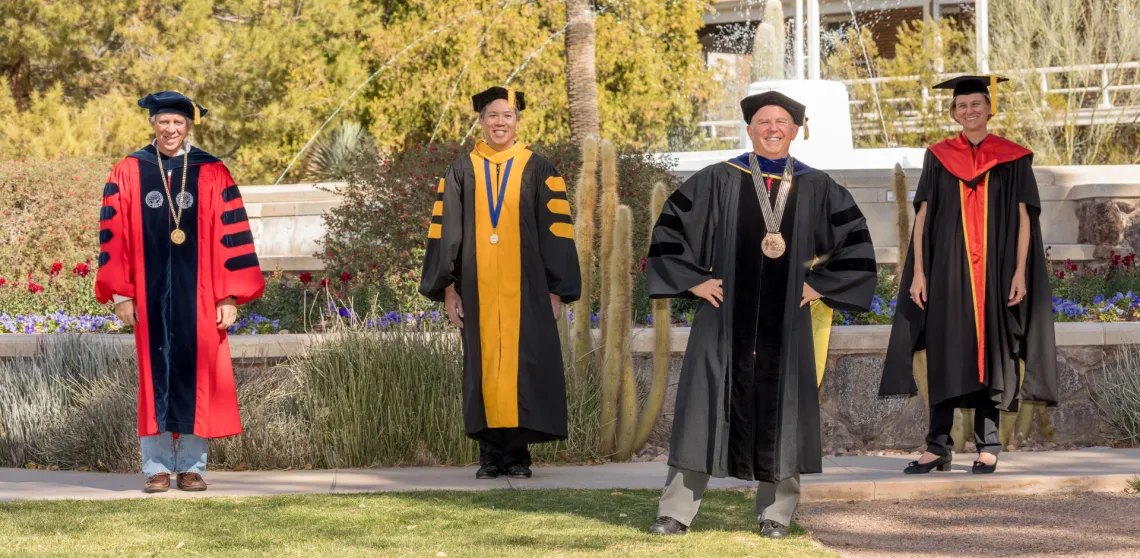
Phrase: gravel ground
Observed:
(1086, 524)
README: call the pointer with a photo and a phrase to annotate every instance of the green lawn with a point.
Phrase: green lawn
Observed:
(453, 524)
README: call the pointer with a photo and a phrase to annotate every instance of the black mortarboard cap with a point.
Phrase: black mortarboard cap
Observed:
(968, 85)
(749, 105)
(480, 100)
(174, 102)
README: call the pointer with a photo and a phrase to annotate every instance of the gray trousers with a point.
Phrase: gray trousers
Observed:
(684, 490)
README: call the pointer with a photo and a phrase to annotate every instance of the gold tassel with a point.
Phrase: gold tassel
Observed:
(993, 95)
(807, 131)
(511, 97)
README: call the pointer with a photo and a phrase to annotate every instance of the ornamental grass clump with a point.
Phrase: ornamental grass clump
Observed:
(72, 406)
(394, 398)
(1116, 394)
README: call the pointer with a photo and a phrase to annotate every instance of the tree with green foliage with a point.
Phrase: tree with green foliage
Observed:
(274, 73)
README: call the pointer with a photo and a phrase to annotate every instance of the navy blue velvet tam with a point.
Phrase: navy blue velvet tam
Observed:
(172, 102)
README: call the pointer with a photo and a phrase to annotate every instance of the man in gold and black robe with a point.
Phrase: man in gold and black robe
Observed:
(501, 257)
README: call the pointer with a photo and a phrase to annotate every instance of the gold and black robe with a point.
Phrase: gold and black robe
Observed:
(513, 372)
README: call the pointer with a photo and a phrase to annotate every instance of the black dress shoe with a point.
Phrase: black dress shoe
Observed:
(980, 468)
(916, 468)
(668, 526)
(773, 530)
(518, 472)
(488, 472)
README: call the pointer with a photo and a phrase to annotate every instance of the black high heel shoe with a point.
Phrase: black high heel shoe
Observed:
(916, 468)
(980, 468)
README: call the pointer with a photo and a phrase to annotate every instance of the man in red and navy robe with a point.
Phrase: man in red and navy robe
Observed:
(177, 257)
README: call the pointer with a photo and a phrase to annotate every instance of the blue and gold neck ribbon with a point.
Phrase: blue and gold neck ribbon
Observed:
(496, 208)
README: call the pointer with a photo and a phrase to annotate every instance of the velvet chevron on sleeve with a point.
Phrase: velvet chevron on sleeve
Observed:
(444, 236)
(681, 248)
(845, 274)
(115, 258)
(556, 235)
(236, 269)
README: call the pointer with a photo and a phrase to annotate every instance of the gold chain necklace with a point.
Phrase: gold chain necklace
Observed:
(177, 236)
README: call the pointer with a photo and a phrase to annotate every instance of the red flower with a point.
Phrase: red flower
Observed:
(306, 278)
(81, 270)
(345, 277)
(3, 281)
(1062, 275)
(1115, 260)
(643, 260)
(56, 267)
(34, 288)
(325, 282)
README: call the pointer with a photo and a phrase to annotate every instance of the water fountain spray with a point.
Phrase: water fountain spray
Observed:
(520, 68)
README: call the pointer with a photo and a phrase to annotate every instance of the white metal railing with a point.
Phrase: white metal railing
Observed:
(1103, 88)
(1043, 79)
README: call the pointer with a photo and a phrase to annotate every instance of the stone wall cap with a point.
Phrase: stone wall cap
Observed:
(844, 340)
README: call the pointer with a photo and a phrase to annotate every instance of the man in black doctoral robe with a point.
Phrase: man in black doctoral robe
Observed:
(501, 257)
(747, 401)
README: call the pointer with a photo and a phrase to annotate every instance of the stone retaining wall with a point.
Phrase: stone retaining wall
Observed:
(853, 416)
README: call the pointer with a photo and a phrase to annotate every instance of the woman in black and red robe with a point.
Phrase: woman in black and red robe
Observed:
(974, 291)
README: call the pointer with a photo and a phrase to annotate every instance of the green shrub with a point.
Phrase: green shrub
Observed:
(50, 212)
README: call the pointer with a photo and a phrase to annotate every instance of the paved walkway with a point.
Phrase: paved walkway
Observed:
(850, 478)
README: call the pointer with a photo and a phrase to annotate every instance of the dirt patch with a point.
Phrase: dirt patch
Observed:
(1086, 524)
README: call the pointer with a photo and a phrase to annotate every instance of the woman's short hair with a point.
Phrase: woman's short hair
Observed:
(954, 104)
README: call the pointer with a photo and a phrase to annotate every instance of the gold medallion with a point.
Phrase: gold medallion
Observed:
(773, 245)
(177, 236)
(494, 238)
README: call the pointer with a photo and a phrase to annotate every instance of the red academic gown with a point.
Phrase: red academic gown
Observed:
(186, 379)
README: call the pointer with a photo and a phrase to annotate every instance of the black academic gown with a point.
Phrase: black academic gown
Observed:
(747, 401)
(970, 258)
(514, 388)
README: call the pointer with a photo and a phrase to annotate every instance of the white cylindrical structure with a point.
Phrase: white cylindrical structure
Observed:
(799, 40)
(813, 65)
(982, 39)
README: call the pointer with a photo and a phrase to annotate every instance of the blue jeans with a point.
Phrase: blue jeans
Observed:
(164, 454)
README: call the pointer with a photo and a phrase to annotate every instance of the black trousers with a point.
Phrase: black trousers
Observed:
(986, 418)
(504, 447)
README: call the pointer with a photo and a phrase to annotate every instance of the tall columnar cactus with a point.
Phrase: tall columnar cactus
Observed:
(584, 206)
(764, 54)
(662, 323)
(774, 16)
(624, 429)
(616, 336)
(609, 215)
(902, 209)
(619, 315)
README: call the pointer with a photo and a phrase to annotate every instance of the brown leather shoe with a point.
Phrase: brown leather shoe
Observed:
(157, 483)
(191, 482)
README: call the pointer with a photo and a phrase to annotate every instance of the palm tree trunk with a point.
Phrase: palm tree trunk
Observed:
(581, 76)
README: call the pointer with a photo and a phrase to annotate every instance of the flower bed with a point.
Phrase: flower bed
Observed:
(64, 302)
